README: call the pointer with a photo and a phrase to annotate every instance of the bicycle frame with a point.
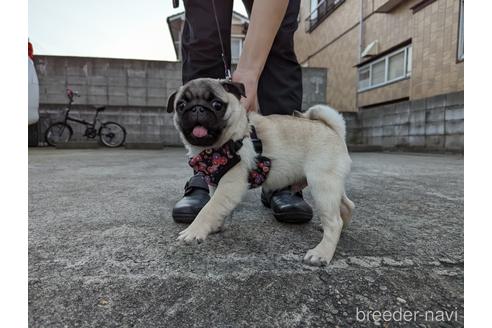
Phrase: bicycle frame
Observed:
(104, 129)
(68, 118)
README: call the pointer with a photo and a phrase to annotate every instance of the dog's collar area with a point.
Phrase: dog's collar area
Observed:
(216, 162)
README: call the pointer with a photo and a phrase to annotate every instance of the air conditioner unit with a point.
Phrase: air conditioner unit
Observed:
(371, 50)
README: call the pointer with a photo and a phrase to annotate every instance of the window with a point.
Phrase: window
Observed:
(461, 32)
(320, 9)
(409, 61)
(378, 74)
(390, 68)
(364, 78)
(236, 49)
(314, 9)
(396, 66)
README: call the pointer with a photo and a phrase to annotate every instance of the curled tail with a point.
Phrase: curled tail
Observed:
(327, 115)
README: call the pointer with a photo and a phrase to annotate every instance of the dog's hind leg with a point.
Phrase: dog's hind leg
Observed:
(226, 197)
(346, 209)
(327, 192)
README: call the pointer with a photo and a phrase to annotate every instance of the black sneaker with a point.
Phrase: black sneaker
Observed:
(195, 197)
(287, 206)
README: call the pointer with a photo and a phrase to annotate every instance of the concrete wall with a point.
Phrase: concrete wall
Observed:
(135, 93)
(433, 124)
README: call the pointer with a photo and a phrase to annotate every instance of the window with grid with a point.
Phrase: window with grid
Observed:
(390, 68)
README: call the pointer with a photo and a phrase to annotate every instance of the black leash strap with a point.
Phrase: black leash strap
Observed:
(227, 71)
(256, 141)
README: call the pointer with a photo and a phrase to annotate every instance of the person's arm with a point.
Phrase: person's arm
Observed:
(266, 17)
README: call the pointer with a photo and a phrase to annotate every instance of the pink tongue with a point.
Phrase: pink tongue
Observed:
(199, 131)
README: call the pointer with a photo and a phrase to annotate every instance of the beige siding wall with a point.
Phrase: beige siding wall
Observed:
(334, 44)
(237, 30)
(340, 58)
(435, 39)
(308, 43)
(393, 91)
(378, 3)
(390, 29)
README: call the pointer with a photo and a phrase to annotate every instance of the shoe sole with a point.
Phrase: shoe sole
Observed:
(292, 217)
(281, 217)
(289, 217)
(184, 218)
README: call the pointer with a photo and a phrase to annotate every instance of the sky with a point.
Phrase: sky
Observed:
(104, 28)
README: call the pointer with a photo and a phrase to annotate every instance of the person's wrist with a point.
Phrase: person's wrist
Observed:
(249, 74)
(249, 69)
(250, 81)
(245, 76)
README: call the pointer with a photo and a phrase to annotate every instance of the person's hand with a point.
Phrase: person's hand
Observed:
(250, 81)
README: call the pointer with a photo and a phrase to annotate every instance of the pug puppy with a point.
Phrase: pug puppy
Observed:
(307, 148)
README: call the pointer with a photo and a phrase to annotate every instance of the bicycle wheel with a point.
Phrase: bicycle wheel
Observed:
(112, 134)
(58, 133)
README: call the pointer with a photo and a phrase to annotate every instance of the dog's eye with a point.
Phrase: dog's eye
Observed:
(180, 105)
(217, 105)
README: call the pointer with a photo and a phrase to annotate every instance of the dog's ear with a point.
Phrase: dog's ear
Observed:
(236, 88)
(170, 103)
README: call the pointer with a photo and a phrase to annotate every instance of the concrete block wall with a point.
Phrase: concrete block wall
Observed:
(135, 93)
(104, 81)
(435, 124)
(145, 125)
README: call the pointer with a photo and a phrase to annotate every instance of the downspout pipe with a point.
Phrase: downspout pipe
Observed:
(360, 50)
(361, 29)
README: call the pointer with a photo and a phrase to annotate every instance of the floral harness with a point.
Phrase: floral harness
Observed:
(216, 162)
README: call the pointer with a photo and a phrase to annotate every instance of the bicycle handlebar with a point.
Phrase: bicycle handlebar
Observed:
(71, 94)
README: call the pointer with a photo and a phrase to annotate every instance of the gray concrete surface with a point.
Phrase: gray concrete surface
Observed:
(102, 249)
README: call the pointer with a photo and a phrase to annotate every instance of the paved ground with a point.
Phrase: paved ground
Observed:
(102, 249)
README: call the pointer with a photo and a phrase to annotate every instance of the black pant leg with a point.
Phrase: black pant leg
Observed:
(248, 4)
(280, 84)
(200, 42)
(201, 51)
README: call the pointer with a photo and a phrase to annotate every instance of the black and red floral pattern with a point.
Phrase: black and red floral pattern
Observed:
(259, 174)
(214, 163)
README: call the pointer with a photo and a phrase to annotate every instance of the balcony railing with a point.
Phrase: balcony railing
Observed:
(323, 10)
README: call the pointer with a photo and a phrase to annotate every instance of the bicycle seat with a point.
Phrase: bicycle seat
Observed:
(100, 109)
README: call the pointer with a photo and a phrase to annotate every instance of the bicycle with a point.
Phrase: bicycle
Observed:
(111, 134)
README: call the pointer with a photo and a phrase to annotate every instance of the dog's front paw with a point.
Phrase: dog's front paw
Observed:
(317, 257)
(194, 233)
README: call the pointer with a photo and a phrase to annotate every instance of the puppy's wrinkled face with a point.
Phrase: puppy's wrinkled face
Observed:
(200, 108)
